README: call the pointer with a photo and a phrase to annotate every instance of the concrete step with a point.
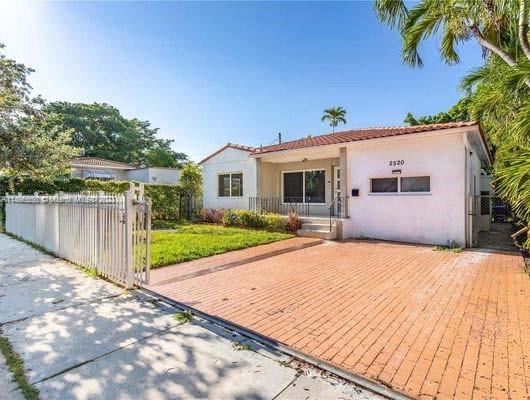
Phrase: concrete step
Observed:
(315, 220)
(319, 234)
(316, 227)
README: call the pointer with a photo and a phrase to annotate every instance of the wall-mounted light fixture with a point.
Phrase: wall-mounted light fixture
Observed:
(396, 171)
(304, 160)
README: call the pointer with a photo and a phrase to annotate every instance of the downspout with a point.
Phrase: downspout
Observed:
(466, 195)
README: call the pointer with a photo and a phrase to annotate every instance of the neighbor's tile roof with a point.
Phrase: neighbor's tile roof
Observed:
(359, 134)
(99, 162)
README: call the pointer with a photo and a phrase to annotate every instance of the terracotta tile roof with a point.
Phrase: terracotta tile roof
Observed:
(229, 145)
(99, 162)
(359, 134)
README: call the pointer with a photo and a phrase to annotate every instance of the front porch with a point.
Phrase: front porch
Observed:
(307, 182)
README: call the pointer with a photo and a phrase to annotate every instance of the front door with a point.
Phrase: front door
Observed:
(336, 182)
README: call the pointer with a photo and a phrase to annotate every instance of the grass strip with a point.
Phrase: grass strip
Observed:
(191, 242)
(16, 366)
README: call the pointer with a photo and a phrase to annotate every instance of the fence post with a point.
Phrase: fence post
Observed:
(99, 250)
(129, 210)
(148, 243)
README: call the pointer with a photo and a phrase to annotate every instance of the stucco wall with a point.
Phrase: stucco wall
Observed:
(229, 161)
(139, 175)
(434, 218)
(155, 175)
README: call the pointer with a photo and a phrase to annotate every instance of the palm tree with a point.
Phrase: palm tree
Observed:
(334, 115)
(495, 25)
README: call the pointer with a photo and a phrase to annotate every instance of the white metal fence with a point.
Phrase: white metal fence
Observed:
(109, 233)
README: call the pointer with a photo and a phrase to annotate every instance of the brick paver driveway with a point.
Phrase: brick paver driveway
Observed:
(428, 323)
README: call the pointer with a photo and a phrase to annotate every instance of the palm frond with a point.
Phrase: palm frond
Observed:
(392, 12)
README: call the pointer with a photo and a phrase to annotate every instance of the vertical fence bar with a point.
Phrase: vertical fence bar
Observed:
(128, 239)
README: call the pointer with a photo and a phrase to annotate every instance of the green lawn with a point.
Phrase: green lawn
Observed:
(190, 242)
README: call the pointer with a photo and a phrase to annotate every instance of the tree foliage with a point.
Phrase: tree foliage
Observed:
(458, 112)
(101, 131)
(191, 180)
(28, 149)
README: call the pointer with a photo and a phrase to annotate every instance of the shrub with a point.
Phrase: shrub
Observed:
(274, 222)
(293, 223)
(231, 218)
(212, 215)
(251, 219)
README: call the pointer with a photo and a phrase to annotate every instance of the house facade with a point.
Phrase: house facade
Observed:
(412, 184)
(100, 168)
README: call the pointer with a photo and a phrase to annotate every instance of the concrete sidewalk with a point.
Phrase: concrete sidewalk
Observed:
(83, 338)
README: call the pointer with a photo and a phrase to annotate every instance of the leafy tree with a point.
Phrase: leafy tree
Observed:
(334, 115)
(163, 156)
(27, 148)
(191, 180)
(101, 131)
(458, 112)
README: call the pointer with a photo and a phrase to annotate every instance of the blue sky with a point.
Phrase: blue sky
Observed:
(211, 73)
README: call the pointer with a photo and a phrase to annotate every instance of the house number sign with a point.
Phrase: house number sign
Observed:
(395, 163)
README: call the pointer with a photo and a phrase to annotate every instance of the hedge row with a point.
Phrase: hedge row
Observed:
(250, 219)
(169, 202)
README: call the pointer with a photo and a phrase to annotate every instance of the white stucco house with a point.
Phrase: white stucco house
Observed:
(100, 168)
(412, 183)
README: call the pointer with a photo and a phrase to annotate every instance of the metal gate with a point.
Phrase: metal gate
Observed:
(493, 222)
(106, 232)
(492, 209)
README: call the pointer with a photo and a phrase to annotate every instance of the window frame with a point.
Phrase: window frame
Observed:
(399, 192)
(416, 191)
(385, 193)
(230, 184)
(303, 171)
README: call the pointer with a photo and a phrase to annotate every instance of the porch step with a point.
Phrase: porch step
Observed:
(318, 234)
(317, 229)
(313, 226)
(316, 220)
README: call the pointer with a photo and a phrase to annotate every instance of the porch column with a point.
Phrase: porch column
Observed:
(343, 163)
(258, 177)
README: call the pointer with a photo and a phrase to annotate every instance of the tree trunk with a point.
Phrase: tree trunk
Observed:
(497, 50)
(523, 28)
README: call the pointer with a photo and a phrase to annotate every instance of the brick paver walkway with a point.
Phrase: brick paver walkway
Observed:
(428, 323)
(210, 264)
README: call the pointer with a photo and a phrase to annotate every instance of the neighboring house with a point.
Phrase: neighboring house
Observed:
(411, 184)
(99, 168)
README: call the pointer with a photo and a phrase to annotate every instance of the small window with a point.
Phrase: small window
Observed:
(416, 184)
(230, 185)
(224, 185)
(384, 185)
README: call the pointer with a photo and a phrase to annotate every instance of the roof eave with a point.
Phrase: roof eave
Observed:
(371, 140)
(226, 146)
